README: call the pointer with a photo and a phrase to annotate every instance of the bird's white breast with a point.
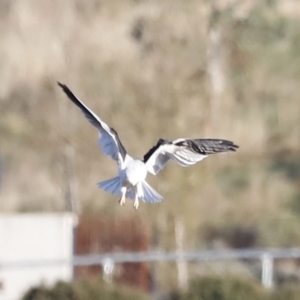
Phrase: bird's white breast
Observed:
(136, 171)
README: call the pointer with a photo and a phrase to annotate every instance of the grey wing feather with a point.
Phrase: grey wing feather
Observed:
(185, 152)
(207, 146)
(191, 151)
(160, 162)
(109, 139)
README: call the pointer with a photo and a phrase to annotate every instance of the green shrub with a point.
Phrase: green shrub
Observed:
(38, 293)
(232, 288)
(204, 288)
(217, 288)
(94, 289)
(286, 292)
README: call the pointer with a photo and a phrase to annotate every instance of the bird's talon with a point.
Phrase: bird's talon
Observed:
(136, 205)
(121, 201)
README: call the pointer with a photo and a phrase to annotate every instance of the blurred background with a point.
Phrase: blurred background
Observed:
(152, 69)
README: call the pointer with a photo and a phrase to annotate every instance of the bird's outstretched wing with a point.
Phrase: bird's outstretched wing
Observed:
(185, 151)
(109, 140)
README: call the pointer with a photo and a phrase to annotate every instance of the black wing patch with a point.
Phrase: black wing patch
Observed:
(92, 119)
(120, 145)
(154, 148)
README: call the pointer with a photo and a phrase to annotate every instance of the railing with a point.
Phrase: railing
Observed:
(108, 260)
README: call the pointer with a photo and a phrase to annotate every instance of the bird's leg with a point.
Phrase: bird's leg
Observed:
(123, 197)
(136, 202)
(137, 195)
(121, 201)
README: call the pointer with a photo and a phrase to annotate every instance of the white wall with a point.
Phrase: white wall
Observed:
(39, 238)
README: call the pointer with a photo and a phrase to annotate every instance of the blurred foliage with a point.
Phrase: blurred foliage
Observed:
(202, 288)
(238, 236)
(233, 288)
(233, 180)
(288, 165)
(83, 290)
(287, 291)
(213, 288)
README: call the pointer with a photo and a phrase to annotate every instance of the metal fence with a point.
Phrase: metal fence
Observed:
(109, 260)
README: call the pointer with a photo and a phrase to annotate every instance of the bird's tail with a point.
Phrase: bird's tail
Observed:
(148, 194)
(112, 185)
(145, 192)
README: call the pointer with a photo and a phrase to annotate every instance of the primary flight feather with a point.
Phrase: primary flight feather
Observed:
(131, 180)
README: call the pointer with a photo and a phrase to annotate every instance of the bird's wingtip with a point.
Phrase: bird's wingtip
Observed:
(235, 147)
(231, 145)
(60, 84)
(64, 87)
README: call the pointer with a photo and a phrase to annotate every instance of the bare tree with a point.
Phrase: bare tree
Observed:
(216, 58)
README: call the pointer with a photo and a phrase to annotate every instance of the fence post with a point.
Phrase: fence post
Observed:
(182, 270)
(267, 261)
(108, 268)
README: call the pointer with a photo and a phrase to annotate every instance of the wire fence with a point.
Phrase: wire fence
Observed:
(109, 260)
(47, 248)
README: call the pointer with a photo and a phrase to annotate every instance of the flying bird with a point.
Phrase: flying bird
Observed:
(131, 180)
